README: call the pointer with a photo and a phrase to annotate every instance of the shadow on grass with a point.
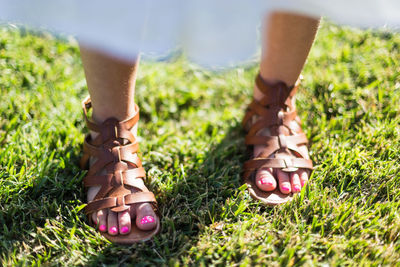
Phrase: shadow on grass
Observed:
(196, 201)
(46, 210)
(45, 193)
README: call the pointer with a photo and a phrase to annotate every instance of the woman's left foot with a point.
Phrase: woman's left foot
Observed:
(280, 163)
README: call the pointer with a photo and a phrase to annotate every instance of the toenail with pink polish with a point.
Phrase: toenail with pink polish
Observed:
(102, 228)
(147, 219)
(285, 188)
(124, 229)
(113, 230)
(303, 183)
(296, 188)
(265, 181)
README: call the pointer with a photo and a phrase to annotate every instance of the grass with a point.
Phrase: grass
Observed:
(193, 148)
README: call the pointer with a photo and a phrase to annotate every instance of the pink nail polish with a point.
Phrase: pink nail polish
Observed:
(147, 219)
(296, 188)
(113, 230)
(284, 188)
(303, 183)
(265, 181)
(103, 228)
(124, 229)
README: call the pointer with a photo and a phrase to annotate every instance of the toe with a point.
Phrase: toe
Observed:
(112, 222)
(124, 222)
(284, 182)
(295, 179)
(146, 219)
(265, 180)
(102, 220)
(94, 218)
(303, 177)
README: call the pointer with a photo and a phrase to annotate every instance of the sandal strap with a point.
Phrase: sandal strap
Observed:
(275, 111)
(275, 93)
(282, 118)
(257, 163)
(109, 155)
(116, 179)
(114, 202)
(120, 129)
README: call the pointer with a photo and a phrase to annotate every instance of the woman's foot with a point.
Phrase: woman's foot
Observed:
(115, 223)
(268, 179)
(280, 164)
(116, 192)
(120, 222)
(288, 182)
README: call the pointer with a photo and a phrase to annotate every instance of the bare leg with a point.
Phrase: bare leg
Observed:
(287, 42)
(111, 84)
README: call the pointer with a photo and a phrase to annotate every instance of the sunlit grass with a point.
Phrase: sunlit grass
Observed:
(192, 148)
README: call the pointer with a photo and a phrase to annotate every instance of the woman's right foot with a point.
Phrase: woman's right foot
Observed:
(120, 222)
(116, 192)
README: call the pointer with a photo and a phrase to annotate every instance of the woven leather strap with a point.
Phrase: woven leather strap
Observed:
(275, 111)
(117, 165)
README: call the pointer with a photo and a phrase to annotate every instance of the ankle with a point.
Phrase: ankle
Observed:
(274, 75)
(104, 114)
(94, 134)
(258, 94)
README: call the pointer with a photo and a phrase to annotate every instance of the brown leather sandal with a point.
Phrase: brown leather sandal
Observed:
(114, 150)
(275, 111)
